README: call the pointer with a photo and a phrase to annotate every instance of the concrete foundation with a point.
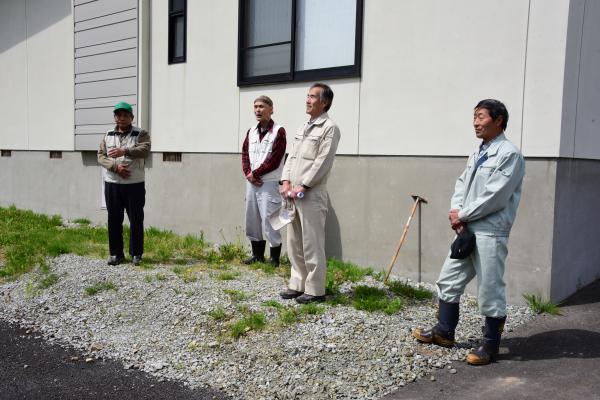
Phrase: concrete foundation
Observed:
(551, 251)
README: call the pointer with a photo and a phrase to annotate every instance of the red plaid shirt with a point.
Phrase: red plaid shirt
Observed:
(273, 159)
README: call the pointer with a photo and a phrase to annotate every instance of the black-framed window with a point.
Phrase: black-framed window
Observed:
(298, 40)
(177, 31)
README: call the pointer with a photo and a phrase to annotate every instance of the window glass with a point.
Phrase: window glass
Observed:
(325, 32)
(177, 5)
(268, 21)
(179, 33)
(268, 60)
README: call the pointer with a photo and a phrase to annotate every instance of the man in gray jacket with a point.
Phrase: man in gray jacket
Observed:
(304, 179)
(122, 153)
(485, 201)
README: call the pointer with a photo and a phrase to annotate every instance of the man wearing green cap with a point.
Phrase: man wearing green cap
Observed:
(122, 153)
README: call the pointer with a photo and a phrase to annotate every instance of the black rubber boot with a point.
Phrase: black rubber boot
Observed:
(258, 252)
(442, 333)
(275, 253)
(492, 332)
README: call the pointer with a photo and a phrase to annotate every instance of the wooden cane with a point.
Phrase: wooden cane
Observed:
(418, 199)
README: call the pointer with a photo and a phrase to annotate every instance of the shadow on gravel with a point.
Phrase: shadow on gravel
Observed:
(562, 343)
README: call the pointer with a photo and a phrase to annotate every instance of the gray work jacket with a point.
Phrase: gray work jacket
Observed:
(487, 199)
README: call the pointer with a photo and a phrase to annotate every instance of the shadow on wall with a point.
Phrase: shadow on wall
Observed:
(333, 238)
(20, 20)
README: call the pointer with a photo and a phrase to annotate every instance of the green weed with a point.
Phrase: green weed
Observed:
(311, 309)
(253, 321)
(539, 306)
(82, 221)
(160, 277)
(288, 316)
(148, 278)
(404, 289)
(99, 287)
(218, 313)
(273, 303)
(47, 281)
(339, 271)
(236, 295)
(228, 275)
(372, 299)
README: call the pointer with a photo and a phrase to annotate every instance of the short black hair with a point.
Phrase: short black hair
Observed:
(496, 109)
(326, 94)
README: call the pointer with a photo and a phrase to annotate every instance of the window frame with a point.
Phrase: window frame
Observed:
(173, 16)
(344, 71)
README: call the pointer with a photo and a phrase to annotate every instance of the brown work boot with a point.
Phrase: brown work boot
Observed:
(490, 347)
(434, 335)
(483, 355)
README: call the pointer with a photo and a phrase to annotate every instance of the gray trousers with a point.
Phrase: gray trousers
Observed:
(306, 243)
(261, 203)
(487, 263)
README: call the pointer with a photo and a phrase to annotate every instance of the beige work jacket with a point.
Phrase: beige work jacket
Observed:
(312, 154)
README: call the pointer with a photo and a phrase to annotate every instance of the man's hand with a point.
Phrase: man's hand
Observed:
(116, 152)
(453, 217)
(297, 189)
(284, 189)
(123, 171)
(253, 180)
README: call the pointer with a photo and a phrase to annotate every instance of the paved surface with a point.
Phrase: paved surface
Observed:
(33, 369)
(553, 357)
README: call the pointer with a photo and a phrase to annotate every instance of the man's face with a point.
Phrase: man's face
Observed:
(262, 112)
(486, 128)
(314, 105)
(123, 119)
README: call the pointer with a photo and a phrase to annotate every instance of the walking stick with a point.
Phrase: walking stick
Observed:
(418, 200)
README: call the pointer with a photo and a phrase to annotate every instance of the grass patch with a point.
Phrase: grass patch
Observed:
(47, 281)
(218, 314)
(99, 287)
(27, 238)
(372, 299)
(161, 277)
(273, 304)
(228, 275)
(338, 299)
(288, 316)
(405, 290)
(539, 306)
(148, 278)
(339, 271)
(265, 267)
(252, 322)
(236, 295)
(311, 309)
(186, 274)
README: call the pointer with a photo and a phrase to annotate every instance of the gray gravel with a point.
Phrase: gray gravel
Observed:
(162, 326)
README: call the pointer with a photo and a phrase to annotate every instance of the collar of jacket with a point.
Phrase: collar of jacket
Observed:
(494, 145)
(320, 120)
(127, 132)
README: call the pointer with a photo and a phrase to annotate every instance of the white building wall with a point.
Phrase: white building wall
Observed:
(427, 63)
(194, 105)
(36, 54)
(587, 128)
(544, 78)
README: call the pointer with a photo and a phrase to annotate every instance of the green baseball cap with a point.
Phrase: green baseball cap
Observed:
(123, 106)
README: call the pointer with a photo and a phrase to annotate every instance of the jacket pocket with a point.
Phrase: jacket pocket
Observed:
(311, 147)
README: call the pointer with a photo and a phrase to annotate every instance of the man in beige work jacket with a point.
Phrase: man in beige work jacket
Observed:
(485, 201)
(304, 179)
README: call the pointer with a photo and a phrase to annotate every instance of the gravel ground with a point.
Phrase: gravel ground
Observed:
(158, 322)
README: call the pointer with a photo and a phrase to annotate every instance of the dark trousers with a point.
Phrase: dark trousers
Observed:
(130, 198)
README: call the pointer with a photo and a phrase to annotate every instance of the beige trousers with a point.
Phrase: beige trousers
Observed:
(306, 243)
